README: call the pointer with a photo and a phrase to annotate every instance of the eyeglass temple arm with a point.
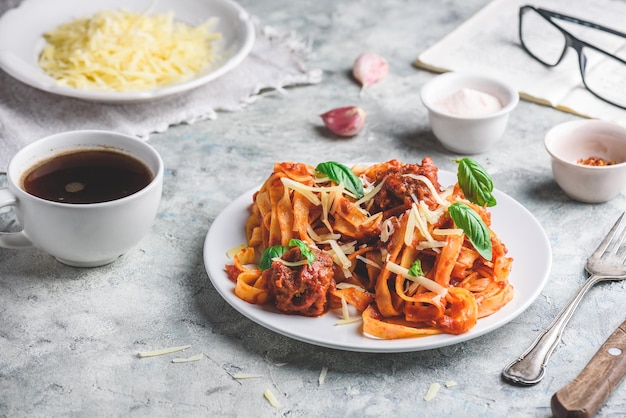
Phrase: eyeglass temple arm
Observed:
(571, 19)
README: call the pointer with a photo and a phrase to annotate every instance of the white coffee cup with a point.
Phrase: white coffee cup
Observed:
(82, 235)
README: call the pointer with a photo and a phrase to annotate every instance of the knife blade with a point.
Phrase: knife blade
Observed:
(592, 387)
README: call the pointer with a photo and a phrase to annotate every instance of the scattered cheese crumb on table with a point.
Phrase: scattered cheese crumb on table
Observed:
(323, 374)
(197, 357)
(432, 391)
(271, 398)
(162, 351)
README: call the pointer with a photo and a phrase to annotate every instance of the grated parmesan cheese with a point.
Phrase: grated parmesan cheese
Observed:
(367, 261)
(370, 194)
(291, 263)
(271, 398)
(429, 284)
(430, 187)
(309, 191)
(386, 229)
(340, 255)
(126, 51)
(352, 320)
(323, 374)
(336, 198)
(451, 231)
(344, 285)
(306, 191)
(432, 392)
(435, 245)
(411, 223)
(327, 201)
(345, 313)
(421, 224)
(197, 357)
(344, 309)
(162, 352)
(447, 192)
(431, 216)
(231, 253)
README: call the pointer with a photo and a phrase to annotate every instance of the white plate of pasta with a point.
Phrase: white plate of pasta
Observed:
(524, 237)
(175, 46)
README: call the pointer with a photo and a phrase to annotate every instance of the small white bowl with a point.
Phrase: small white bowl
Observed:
(570, 142)
(467, 134)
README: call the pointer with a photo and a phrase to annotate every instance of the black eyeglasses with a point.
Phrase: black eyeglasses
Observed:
(603, 73)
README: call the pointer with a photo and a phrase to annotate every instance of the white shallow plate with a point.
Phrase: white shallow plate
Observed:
(515, 225)
(22, 29)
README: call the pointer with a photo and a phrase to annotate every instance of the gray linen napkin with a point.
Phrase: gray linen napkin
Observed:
(27, 114)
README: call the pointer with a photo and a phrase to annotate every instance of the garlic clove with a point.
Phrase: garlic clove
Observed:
(345, 121)
(369, 68)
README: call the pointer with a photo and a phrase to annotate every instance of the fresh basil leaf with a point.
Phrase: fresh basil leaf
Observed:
(416, 269)
(475, 182)
(341, 174)
(305, 250)
(271, 252)
(472, 224)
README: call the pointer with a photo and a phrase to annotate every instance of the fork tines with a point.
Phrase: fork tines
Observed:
(613, 240)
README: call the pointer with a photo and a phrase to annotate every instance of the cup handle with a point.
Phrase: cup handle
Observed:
(12, 240)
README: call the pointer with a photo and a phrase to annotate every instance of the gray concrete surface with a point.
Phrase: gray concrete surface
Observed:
(69, 337)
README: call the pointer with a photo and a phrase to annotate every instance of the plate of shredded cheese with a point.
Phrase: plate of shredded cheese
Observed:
(122, 51)
(526, 241)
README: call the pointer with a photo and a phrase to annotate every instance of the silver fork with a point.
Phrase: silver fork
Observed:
(606, 263)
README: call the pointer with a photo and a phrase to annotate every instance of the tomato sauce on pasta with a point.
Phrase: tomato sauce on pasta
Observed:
(366, 246)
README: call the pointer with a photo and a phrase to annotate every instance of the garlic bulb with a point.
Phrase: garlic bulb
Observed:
(345, 121)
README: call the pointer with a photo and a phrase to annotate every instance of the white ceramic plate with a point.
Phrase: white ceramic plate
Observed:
(515, 225)
(21, 40)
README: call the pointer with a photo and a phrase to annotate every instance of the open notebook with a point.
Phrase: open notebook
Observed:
(489, 43)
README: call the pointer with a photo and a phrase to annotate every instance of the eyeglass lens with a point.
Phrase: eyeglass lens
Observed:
(602, 74)
(541, 38)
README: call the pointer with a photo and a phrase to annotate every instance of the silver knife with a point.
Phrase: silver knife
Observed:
(591, 388)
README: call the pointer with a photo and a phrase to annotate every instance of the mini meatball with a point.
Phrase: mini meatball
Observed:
(399, 188)
(301, 290)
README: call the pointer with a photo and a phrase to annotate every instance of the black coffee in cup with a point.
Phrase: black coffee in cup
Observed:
(87, 176)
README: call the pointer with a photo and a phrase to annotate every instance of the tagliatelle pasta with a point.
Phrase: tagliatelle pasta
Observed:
(391, 251)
